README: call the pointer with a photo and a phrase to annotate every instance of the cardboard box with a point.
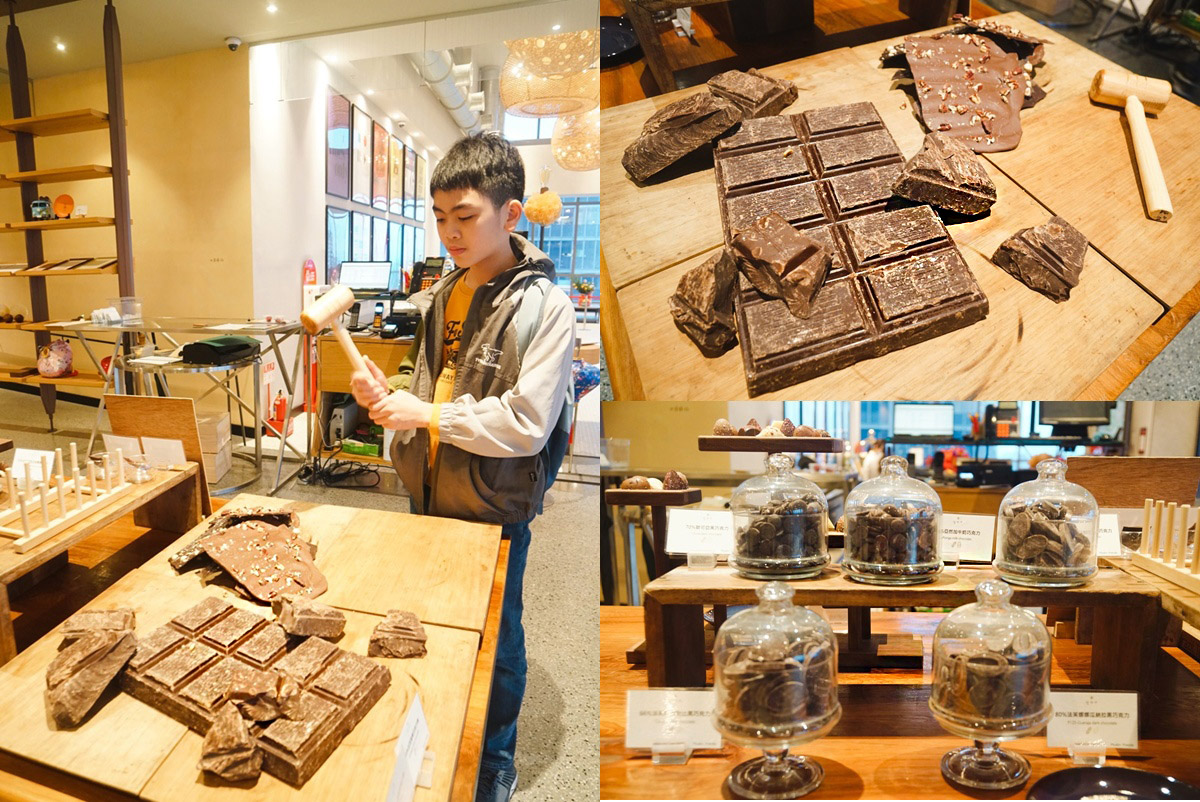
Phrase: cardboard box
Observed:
(214, 431)
(360, 448)
(217, 463)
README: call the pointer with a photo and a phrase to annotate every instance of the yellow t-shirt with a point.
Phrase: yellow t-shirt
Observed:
(456, 312)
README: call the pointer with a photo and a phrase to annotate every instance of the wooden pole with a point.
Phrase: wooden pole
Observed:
(92, 478)
(12, 488)
(45, 506)
(24, 515)
(29, 479)
(1157, 530)
(45, 472)
(77, 484)
(62, 497)
(1181, 552)
(120, 468)
(74, 456)
(1169, 533)
(1144, 545)
(58, 463)
(107, 473)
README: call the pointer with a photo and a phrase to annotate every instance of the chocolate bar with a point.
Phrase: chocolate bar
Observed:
(267, 560)
(85, 621)
(229, 750)
(782, 262)
(756, 94)
(1047, 258)
(702, 305)
(947, 174)
(78, 675)
(676, 130)
(895, 278)
(301, 616)
(399, 634)
(969, 89)
(193, 665)
(227, 519)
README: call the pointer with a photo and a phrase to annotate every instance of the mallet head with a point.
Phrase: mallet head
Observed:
(1113, 88)
(327, 309)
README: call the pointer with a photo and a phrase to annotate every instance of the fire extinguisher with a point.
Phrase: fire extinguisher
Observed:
(279, 408)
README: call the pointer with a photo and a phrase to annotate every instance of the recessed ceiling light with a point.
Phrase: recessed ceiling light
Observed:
(370, 91)
(61, 46)
(272, 8)
(556, 28)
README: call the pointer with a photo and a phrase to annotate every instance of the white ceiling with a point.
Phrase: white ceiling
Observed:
(152, 29)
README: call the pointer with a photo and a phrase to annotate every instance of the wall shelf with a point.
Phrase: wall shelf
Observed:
(56, 174)
(53, 225)
(80, 379)
(63, 122)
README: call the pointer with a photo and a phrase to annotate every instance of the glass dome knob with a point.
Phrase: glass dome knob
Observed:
(775, 594)
(894, 466)
(777, 463)
(1053, 468)
(993, 593)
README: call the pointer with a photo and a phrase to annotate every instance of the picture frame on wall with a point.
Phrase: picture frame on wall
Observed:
(422, 193)
(379, 239)
(360, 164)
(337, 242)
(396, 182)
(410, 182)
(379, 169)
(396, 254)
(360, 237)
(337, 143)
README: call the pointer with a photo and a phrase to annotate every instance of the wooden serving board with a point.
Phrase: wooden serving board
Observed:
(653, 498)
(772, 445)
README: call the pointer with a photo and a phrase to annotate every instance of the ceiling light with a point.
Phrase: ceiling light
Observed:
(370, 91)
(556, 28)
(61, 46)
(272, 8)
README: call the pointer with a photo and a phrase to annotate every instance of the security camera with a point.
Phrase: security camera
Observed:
(233, 43)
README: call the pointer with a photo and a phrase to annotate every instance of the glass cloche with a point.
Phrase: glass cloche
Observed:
(1046, 531)
(775, 671)
(780, 519)
(892, 526)
(991, 683)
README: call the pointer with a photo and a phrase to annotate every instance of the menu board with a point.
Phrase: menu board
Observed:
(360, 175)
(337, 143)
(379, 170)
(396, 184)
(410, 182)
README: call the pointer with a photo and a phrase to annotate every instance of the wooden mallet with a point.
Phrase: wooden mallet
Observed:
(1138, 94)
(326, 311)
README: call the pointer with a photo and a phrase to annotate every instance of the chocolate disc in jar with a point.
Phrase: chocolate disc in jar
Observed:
(1031, 547)
(1018, 525)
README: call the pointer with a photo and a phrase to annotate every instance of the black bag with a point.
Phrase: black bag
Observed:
(220, 350)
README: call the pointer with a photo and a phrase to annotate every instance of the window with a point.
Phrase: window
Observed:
(528, 129)
(573, 242)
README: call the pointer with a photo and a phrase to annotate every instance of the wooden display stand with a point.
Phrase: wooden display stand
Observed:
(1163, 551)
(657, 501)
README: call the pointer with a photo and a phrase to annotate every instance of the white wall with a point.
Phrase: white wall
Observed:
(1171, 428)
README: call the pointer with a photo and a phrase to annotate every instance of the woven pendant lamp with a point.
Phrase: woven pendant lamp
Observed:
(527, 95)
(576, 141)
(557, 55)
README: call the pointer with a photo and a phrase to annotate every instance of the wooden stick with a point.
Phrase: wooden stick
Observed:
(1169, 534)
(29, 479)
(120, 468)
(12, 489)
(24, 515)
(1144, 545)
(74, 456)
(107, 473)
(1159, 506)
(45, 471)
(92, 478)
(58, 463)
(75, 481)
(1181, 552)
(1196, 549)
(45, 507)
(62, 497)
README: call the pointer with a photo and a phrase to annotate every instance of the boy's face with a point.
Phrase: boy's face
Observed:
(473, 230)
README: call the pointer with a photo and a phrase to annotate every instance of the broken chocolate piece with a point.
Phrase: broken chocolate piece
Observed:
(674, 480)
(399, 634)
(702, 305)
(751, 429)
(267, 560)
(78, 675)
(1022, 45)
(301, 616)
(262, 695)
(756, 94)
(782, 262)
(947, 174)
(227, 519)
(1046, 258)
(230, 752)
(85, 621)
(676, 130)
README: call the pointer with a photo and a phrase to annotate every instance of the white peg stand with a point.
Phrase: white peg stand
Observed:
(1172, 565)
(87, 500)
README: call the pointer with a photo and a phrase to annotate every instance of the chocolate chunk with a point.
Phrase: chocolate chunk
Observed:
(229, 518)
(302, 616)
(968, 88)
(85, 621)
(399, 634)
(229, 751)
(948, 175)
(636, 483)
(262, 695)
(723, 428)
(78, 675)
(756, 94)
(676, 130)
(674, 480)
(267, 560)
(751, 429)
(702, 305)
(782, 262)
(786, 427)
(1046, 258)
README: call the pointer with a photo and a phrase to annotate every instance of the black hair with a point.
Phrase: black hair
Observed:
(487, 163)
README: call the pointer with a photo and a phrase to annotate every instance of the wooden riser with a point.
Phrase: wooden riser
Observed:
(26, 541)
(1179, 576)
(13, 513)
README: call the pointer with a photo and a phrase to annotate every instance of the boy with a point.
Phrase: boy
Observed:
(481, 403)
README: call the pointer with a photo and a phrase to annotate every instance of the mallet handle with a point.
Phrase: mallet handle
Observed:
(343, 338)
(1154, 186)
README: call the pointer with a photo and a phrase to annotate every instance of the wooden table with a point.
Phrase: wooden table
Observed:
(170, 501)
(454, 678)
(1125, 638)
(1140, 283)
(887, 744)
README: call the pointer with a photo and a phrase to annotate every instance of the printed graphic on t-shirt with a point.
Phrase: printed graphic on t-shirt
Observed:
(450, 343)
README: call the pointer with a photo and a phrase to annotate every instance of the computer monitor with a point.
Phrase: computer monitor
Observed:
(1072, 418)
(366, 277)
(923, 420)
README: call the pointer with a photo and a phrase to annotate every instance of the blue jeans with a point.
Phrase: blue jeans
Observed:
(508, 676)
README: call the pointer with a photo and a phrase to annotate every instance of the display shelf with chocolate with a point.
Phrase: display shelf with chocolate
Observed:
(676, 130)
(1046, 531)
(670, 491)
(947, 174)
(1046, 258)
(755, 93)
(895, 278)
(190, 667)
(892, 528)
(780, 436)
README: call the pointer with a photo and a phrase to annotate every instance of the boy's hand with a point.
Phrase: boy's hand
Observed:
(402, 410)
(369, 388)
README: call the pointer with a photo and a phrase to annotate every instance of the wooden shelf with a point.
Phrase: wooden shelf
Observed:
(50, 225)
(81, 379)
(56, 174)
(63, 122)
(16, 326)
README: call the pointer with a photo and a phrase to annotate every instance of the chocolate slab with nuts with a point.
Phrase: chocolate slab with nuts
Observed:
(756, 94)
(268, 561)
(215, 653)
(947, 174)
(227, 519)
(896, 278)
(1046, 258)
(676, 130)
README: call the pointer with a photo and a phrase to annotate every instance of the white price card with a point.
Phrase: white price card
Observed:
(1080, 716)
(410, 752)
(699, 531)
(969, 536)
(1108, 541)
(162, 452)
(670, 716)
(130, 446)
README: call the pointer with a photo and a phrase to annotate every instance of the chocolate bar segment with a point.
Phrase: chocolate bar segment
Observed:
(195, 671)
(78, 675)
(702, 305)
(1047, 258)
(305, 618)
(676, 130)
(85, 621)
(399, 634)
(947, 174)
(756, 94)
(782, 262)
(229, 750)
